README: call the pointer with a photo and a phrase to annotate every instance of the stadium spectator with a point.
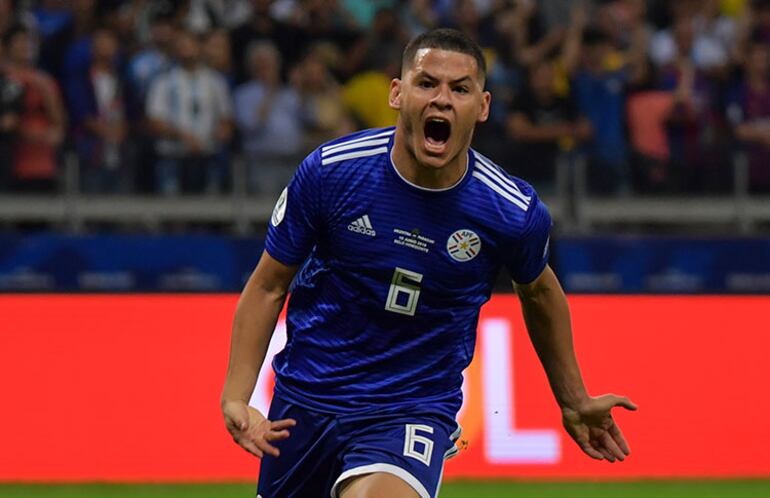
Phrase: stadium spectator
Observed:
(465, 17)
(99, 120)
(625, 23)
(648, 113)
(364, 12)
(754, 23)
(268, 114)
(312, 35)
(418, 16)
(142, 16)
(262, 25)
(61, 25)
(514, 36)
(543, 125)
(322, 107)
(7, 15)
(203, 16)
(600, 79)
(375, 49)
(696, 126)
(366, 94)
(529, 34)
(189, 112)
(11, 105)
(217, 54)
(696, 33)
(41, 126)
(555, 13)
(749, 113)
(319, 20)
(154, 59)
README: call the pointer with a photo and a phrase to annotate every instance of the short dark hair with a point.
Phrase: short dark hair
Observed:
(445, 39)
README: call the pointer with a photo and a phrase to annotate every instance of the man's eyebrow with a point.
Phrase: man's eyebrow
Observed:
(425, 74)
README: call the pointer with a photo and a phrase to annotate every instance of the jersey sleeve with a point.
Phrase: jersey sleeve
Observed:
(529, 253)
(294, 226)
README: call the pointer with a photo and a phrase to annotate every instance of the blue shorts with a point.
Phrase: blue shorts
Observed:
(324, 450)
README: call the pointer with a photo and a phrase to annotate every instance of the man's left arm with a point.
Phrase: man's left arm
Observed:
(587, 419)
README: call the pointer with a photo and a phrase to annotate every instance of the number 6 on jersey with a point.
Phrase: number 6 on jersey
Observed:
(400, 287)
(411, 449)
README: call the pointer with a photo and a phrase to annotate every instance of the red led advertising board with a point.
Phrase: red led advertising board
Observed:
(126, 388)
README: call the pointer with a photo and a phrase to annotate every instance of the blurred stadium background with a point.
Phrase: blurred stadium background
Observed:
(143, 145)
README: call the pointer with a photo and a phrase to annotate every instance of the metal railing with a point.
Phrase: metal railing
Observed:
(572, 207)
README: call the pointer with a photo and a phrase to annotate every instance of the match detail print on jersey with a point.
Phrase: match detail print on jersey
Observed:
(280, 208)
(463, 245)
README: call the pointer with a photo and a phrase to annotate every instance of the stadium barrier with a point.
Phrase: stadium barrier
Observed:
(57, 263)
(126, 388)
(570, 202)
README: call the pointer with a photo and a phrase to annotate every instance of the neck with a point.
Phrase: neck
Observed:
(410, 168)
(99, 65)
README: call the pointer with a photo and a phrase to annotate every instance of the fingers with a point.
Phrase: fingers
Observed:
(622, 401)
(604, 452)
(258, 441)
(282, 424)
(617, 435)
(589, 450)
(276, 436)
(257, 446)
(268, 448)
(249, 446)
(612, 448)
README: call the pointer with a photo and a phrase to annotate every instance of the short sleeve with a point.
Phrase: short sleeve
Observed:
(294, 226)
(530, 251)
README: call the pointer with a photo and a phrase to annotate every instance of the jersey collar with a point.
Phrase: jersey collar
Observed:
(463, 179)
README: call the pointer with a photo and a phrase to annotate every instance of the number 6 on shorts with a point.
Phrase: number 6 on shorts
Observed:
(412, 438)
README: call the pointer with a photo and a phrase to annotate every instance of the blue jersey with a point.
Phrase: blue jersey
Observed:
(384, 310)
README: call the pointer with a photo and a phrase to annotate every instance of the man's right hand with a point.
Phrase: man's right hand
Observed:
(252, 431)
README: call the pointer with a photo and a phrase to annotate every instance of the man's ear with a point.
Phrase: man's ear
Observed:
(394, 99)
(486, 99)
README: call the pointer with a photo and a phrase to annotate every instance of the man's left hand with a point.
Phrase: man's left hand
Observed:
(593, 429)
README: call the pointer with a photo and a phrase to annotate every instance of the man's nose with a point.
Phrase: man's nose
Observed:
(442, 99)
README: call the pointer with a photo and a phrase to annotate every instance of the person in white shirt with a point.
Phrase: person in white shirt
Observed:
(189, 110)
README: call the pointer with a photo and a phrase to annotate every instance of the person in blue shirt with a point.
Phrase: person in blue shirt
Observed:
(393, 238)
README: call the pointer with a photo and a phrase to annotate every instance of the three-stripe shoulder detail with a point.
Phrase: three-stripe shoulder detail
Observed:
(490, 175)
(360, 147)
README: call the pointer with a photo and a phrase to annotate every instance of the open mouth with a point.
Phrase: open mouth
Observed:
(437, 131)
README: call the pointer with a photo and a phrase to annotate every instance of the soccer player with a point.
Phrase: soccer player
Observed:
(393, 239)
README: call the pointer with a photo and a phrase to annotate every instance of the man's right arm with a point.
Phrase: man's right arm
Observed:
(255, 318)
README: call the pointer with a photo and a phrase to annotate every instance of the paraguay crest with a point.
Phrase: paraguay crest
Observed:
(463, 245)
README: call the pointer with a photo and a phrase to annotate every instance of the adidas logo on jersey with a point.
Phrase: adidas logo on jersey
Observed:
(363, 225)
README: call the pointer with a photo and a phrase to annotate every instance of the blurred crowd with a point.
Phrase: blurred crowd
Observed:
(162, 96)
